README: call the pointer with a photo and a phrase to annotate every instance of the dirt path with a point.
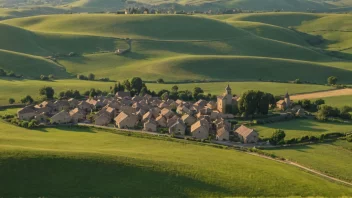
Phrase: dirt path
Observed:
(306, 169)
(323, 94)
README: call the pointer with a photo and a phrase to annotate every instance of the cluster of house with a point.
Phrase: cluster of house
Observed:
(200, 119)
(287, 105)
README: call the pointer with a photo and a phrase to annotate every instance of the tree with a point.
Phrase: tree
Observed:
(91, 76)
(196, 91)
(165, 96)
(127, 85)
(2, 72)
(136, 84)
(160, 81)
(42, 77)
(48, 92)
(51, 76)
(277, 137)
(92, 93)
(76, 94)
(332, 80)
(11, 101)
(326, 111)
(27, 100)
(174, 88)
(297, 81)
(319, 102)
(82, 77)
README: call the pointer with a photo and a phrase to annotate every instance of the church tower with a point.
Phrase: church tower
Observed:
(287, 100)
(228, 90)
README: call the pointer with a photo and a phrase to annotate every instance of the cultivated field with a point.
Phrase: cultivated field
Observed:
(131, 166)
(323, 94)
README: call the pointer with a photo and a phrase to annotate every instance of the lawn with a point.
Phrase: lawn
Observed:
(332, 159)
(17, 89)
(302, 127)
(87, 162)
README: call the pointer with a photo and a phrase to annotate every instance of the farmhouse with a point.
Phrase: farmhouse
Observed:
(247, 135)
(188, 119)
(103, 119)
(77, 115)
(44, 107)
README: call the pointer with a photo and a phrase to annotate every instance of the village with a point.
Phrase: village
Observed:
(200, 120)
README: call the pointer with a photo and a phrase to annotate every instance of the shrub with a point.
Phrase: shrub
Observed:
(160, 80)
(277, 137)
(11, 101)
(349, 138)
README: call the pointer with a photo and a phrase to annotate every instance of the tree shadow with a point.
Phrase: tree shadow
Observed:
(68, 129)
(50, 175)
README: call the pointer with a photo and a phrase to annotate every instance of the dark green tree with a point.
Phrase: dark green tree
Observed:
(91, 76)
(136, 84)
(127, 85)
(174, 88)
(11, 101)
(277, 137)
(2, 72)
(27, 100)
(48, 92)
(332, 80)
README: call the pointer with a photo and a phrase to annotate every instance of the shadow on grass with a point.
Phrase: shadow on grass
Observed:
(69, 129)
(50, 175)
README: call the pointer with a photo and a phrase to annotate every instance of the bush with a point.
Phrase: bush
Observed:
(349, 138)
(277, 137)
(11, 101)
(160, 80)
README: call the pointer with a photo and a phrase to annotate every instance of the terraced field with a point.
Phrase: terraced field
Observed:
(130, 166)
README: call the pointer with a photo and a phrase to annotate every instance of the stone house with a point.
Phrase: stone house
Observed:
(222, 134)
(126, 121)
(85, 106)
(178, 128)
(62, 117)
(27, 113)
(77, 115)
(44, 107)
(161, 120)
(200, 129)
(247, 135)
(103, 119)
(150, 126)
(147, 116)
(172, 120)
(61, 105)
(212, 105)
(73, 103)
(41, 118)
(188, 119)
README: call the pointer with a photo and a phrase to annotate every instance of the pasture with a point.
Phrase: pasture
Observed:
(302, 127)
(17, 89)
(332, 159)
(130, 166)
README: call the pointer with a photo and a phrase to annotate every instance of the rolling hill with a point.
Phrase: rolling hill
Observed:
(234, 46)
(133, 165)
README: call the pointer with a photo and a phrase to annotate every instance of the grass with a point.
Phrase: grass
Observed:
(302, 127)
(17, 89)
(339, 101)
(228, 45)
(131, 166)
(332, 159)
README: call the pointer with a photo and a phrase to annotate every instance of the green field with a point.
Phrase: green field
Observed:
(339, 101)
(302, 127)
(332, 159)
(89, 162)
(238, 49)
(17, 89)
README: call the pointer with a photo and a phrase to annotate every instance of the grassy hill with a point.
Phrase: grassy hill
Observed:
(314, 156)
(131, 166)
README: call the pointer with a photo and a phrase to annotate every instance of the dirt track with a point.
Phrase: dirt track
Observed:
(323, 94)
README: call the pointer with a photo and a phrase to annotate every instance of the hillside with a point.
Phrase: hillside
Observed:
(131, 166)
(159, 47)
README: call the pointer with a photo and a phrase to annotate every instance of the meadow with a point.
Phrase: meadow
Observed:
(134, 166)
(17, 89)
(330, 158)
(302, 127)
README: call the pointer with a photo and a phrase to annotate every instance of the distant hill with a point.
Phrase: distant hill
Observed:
(220, 47)
(189, 5)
